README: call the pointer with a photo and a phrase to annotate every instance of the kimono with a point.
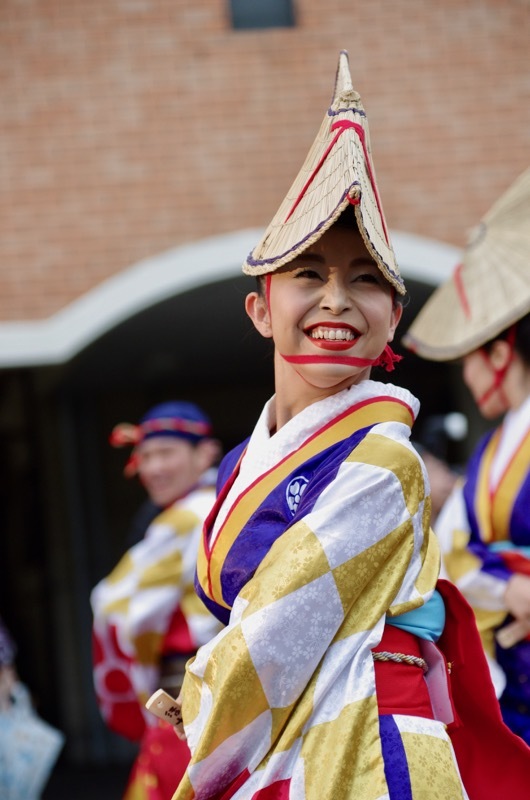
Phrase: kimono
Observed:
(319, 537)
(485, 533)
(146, 615)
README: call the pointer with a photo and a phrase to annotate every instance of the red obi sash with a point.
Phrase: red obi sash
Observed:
(401, 688)
(493, 761)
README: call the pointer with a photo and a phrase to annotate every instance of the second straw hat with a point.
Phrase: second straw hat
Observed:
(338, 170)
(489, 290)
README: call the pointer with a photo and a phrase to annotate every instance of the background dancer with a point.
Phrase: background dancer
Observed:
(483, 316)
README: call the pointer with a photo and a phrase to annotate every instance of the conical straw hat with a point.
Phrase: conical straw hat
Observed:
(489, 291)
(338, 170)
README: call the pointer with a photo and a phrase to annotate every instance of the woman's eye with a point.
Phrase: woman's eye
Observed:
(367, 277)
(307, 272)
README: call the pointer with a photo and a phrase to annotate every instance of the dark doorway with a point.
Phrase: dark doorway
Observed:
(66, 507)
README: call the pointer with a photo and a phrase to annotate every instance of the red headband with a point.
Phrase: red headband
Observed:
(125, 433)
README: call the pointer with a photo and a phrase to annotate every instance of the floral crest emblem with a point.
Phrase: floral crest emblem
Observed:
(294, 492)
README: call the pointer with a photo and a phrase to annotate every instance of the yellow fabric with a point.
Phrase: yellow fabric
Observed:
(136, 602)
(439, 783)
(342, 778)
(383, 452)
(236, 688)
(508, 488)
(483, 504)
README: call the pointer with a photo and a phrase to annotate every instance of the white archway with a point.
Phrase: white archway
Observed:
(60, 337)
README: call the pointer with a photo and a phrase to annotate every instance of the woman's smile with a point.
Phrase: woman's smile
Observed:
(332, 335)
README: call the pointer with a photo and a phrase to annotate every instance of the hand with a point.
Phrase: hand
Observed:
(169, 709)
(517, 597)
(179, 725)
(513, 633)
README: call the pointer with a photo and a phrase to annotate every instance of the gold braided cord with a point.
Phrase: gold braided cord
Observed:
(401, 658)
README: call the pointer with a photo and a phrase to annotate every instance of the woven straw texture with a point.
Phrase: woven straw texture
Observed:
(337, 169)
(489, 291)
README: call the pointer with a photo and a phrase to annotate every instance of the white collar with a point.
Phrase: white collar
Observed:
(264, 450)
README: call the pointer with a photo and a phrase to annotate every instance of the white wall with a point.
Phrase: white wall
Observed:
(63, 335)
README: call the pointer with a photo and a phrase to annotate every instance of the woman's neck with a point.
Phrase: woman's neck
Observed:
(517, 383)
(293, 393)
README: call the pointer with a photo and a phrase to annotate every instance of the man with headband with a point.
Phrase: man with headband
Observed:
(148, 619)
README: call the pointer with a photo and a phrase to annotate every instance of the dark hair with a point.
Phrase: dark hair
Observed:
(347, 218)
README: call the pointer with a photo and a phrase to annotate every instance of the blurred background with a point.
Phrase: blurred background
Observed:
(144, 147)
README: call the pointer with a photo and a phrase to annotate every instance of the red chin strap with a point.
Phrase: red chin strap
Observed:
(498, 374)
(388, 359)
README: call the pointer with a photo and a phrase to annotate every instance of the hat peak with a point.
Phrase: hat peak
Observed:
(343, 82)
(337, 172)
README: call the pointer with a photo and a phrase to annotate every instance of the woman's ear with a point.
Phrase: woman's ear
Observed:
(397, 311)
(257, 309)
(500, 354)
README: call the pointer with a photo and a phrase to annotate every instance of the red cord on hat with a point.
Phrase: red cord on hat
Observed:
(340, 126)
(498, 374)
(388, 359)
(460, 290)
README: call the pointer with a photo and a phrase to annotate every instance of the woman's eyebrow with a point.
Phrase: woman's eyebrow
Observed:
(362, 261)
(304, 257)
(317, 258)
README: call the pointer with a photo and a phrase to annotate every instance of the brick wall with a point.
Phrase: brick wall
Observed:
(130, 126)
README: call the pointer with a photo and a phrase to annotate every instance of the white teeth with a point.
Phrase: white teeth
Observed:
(343, 334)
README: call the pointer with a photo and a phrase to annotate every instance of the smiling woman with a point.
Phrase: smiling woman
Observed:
(318, 554)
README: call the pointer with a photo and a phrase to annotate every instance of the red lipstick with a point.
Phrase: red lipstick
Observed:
(333, 344)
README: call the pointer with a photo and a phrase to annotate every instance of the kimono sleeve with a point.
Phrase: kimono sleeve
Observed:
(479, 572)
